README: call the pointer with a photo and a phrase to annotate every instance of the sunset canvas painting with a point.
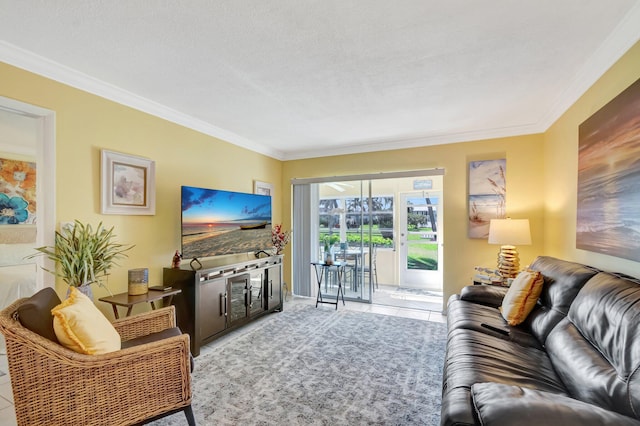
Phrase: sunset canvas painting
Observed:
(608, 221)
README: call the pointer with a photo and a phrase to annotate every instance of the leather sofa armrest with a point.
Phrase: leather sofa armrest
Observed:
(489, 295)
(506, 405)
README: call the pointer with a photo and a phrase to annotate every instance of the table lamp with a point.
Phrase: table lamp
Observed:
(509, 233)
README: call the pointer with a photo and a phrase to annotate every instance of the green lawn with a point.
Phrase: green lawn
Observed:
(422, 256)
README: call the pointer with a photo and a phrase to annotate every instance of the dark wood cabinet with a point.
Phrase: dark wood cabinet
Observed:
(239, 287)
(224, 294)
(274, 286)
(257, 301)
(213, 306)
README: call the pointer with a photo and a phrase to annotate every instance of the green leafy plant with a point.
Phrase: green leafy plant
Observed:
(82, 254)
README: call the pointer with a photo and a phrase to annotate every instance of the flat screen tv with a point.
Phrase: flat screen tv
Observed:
(216, 222)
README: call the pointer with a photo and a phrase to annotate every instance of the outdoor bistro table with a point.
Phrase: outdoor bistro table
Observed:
(320, 268)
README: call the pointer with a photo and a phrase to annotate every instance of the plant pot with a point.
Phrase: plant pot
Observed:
(84, 289)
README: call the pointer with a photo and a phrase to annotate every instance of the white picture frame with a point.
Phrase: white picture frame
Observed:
(127, 184)
(262, 188)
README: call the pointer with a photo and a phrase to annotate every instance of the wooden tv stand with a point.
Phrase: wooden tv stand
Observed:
(224, 294)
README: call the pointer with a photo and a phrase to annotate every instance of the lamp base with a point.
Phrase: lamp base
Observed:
(508, 261)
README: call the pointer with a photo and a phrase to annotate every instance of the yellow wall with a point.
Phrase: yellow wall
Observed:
(561, 167)
(541, 174)
(86, 123)
(541, 183)
(524, 193)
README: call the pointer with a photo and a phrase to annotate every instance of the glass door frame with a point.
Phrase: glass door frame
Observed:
(415, 277)
(354, 286)
(304, 214)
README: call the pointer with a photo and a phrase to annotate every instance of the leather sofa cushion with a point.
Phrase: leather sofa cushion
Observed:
(35, 313)
(489, 295)
(476, 357)
(596, 350)
(562, 282)
(485, 319)
(502, 405)
(456, 408)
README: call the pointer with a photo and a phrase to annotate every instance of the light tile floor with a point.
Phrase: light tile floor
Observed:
(7, 413)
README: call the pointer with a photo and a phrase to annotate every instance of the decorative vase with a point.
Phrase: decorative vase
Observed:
(84, 289)
(328, 260)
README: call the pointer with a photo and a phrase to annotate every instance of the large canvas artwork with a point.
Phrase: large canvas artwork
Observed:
(487, 195)
(609, 178)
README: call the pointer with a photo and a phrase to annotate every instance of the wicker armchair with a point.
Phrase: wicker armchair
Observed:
(53, 385)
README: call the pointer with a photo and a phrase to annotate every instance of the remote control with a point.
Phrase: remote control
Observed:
(496, 329)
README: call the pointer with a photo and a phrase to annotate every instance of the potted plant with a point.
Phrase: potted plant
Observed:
(83, 255)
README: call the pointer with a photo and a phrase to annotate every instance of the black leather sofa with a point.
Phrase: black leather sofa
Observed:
(574, 361)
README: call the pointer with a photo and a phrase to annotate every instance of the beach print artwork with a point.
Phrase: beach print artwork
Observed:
(608, 221)
(487, 195)
(129, 185)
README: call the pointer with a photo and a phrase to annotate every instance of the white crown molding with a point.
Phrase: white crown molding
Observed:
(417, 142)
(625, 35)
(621, 39)
(37, 64)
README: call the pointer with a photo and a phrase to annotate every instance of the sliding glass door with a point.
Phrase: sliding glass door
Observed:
(385, 228)
(344, 229)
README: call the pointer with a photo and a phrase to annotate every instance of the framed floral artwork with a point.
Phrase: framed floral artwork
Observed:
(128, 184)
(17, 192)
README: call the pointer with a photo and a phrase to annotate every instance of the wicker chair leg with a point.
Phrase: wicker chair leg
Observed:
(188, 413)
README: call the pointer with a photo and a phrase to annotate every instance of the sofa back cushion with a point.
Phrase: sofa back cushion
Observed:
(596, 349)
(562, 282)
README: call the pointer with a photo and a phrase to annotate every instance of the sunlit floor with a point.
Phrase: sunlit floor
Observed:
(388, 295)
(404, 297)
(7, 413)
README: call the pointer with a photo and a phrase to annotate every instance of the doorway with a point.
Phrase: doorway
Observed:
(420, 236)
(42, 125)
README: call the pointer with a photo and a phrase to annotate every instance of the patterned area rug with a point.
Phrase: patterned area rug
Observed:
(309, 366)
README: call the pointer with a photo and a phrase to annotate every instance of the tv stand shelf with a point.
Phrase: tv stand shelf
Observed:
(226, 293)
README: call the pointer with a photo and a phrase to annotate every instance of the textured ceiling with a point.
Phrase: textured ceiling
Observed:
(301, 78)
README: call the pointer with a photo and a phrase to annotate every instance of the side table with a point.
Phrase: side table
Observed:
(128, 301)
(320, 268)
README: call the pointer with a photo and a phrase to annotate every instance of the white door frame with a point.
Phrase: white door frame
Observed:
(429, 280)
(45, 180)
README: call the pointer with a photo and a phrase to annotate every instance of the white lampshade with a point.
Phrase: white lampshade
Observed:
(513, 232)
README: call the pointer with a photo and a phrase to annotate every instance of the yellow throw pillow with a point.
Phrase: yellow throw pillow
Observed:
(521, 296)
(80, 326)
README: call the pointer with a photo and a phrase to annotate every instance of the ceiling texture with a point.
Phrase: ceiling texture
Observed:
(305, 78)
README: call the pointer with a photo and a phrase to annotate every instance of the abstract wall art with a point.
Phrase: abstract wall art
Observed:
(17, 192)
(608, 207)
